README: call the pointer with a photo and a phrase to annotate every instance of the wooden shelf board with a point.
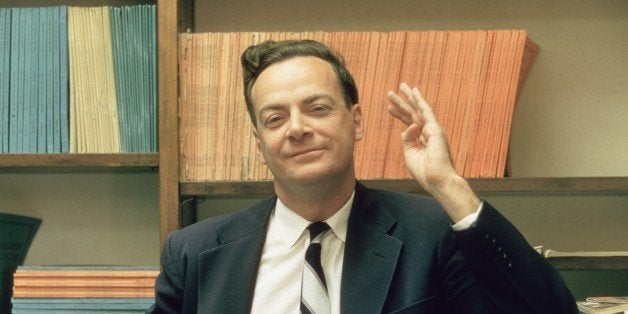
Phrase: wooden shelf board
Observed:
(78, 160)
(567, 185)
(590, 263)
(226, 188)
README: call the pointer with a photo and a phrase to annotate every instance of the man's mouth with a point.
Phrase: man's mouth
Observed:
(304, 152)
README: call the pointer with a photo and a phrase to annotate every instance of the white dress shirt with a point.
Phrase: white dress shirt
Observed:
(278, 285)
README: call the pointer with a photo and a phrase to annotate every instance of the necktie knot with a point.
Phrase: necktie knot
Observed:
(316, 228)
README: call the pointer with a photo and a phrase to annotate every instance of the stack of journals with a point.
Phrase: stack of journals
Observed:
(471, 79)
(78, 79)
(60, 289)
(113, 81)
(604, 305)
(33, 80)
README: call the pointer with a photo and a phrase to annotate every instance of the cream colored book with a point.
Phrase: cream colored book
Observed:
(95, 127)
(609, 299)
(601, 307)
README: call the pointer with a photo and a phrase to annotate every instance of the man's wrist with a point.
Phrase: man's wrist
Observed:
(456, 197)
(468, 220)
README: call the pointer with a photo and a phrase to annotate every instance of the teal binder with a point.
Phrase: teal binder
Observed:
(133, 33)
(16, 235)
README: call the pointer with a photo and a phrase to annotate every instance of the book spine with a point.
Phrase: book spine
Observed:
(43, 25)
(62, 129)
(16, 58)
(27, 86)
(81, 305)
(5, 70)
(51, 80)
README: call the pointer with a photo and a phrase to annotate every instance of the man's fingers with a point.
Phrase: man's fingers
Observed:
(408, 93)
(401, 103)
(397, 113)
(410, 135)
(400, 109)
(422, 105)
(409, 106)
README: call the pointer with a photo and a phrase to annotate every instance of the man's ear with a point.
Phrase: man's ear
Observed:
(258, 146)
(358, 122)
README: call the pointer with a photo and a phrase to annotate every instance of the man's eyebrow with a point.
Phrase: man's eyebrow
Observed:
(307, 100)
(269, 107)
(316, 97)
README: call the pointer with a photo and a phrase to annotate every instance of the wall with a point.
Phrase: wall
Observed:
(87, 218)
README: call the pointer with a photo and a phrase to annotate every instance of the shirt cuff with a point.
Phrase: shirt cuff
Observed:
(467, 221)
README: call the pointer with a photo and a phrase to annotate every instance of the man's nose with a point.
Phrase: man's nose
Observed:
(298, 127)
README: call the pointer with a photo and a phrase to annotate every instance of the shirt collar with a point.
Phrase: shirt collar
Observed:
(292, 225)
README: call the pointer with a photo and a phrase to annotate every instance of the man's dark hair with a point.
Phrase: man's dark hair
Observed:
(257, 58)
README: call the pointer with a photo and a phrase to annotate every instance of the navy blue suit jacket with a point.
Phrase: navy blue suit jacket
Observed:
(401, 256)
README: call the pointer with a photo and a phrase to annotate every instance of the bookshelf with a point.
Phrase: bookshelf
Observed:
(210, 190)
(589, 263)
(173, 17)
(485, 187)
(510, 185)
(177, 16)
(13, 161)
(54, 170)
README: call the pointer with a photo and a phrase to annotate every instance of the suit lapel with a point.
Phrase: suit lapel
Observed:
(370, 255)
(227, 273)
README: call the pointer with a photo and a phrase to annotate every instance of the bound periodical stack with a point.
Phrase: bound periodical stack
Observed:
(78, 79)
(471, 79)
(83, 289)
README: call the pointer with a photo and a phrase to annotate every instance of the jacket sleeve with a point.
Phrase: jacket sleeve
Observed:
(510, 275)
(169, 284)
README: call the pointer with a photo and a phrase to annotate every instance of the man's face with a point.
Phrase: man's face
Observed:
(305, 133)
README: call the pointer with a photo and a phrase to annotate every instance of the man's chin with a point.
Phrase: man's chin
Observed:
(307, 178)
(313, 176)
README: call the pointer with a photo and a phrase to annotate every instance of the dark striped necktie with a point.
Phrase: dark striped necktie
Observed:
(314, 297)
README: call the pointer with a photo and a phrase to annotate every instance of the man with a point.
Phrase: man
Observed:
(385, 251)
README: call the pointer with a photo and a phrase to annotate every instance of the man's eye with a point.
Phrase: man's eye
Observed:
(320, 108)
(272, 121)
